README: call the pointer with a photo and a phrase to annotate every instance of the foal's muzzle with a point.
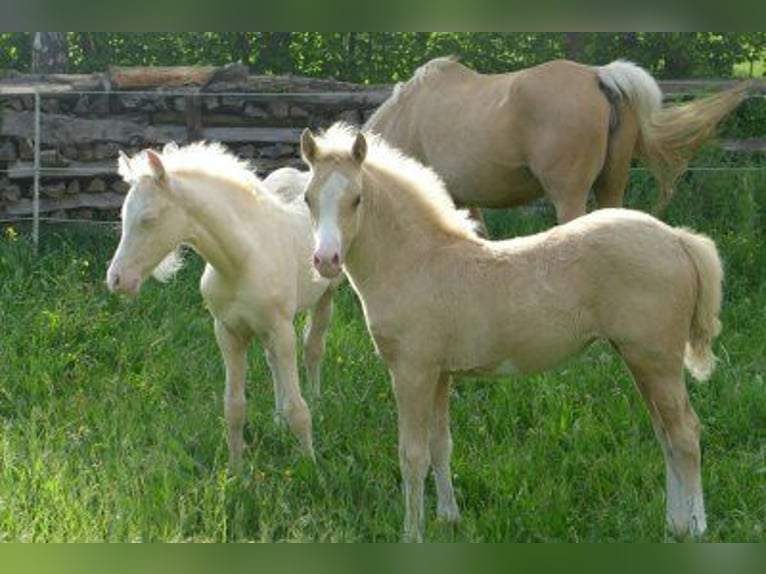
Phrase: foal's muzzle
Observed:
(328, 267)
(118, 282)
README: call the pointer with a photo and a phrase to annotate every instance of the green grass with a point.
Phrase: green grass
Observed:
(112, 426)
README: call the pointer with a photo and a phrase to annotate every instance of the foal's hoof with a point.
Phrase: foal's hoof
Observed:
(308, 452)
(692, 531)
(449, 514)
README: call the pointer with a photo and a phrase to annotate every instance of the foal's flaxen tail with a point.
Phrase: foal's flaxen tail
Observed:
(669, 135)
(705, 326)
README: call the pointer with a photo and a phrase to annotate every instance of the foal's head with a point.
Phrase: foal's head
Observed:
(334, 194)
(152, 227)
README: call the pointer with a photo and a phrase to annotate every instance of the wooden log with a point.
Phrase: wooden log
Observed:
(24, 207)
(122, 78)
(57, 129)
(17, 83)
(252, 134)
(339, 100)
(25, 169)
(286, 84)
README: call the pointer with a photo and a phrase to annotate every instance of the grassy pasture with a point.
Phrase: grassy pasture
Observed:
(111, 422)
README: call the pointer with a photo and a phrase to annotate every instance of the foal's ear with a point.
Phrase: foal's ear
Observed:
(155, 164)
(359, 149)
(124, 167)
(308, 146)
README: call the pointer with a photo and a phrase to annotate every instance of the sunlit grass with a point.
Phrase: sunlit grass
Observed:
(111, 419)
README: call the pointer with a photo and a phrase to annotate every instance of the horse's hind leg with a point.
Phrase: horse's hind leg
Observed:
(677, 428)
(610, 184)
(567, 171)
(568, 186)
(234, 352)
(609, 187)
(280, 354)
(314, 339)
(440, 446)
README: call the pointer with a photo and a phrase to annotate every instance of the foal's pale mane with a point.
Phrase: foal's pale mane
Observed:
(210, 159)
(422, 185)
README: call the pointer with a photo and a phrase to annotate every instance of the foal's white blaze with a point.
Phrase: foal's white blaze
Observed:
(328, 236)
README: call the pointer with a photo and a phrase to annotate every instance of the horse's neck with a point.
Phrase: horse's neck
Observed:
(391, 240)
(390, 119)
(221, 221)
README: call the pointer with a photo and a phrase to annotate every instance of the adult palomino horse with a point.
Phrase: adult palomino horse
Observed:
(558, 129)
(439, 300)
(258, 274)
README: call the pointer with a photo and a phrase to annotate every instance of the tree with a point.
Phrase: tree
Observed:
(50, 53)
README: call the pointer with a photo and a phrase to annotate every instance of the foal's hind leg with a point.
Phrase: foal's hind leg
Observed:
(314, 339)
(281, 356)
(234, 352)
(440, 445)
(677, 429)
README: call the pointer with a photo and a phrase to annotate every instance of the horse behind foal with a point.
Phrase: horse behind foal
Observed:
(558, 129)
(440, 301)
(258, 274)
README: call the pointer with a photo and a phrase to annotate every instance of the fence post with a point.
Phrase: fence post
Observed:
(36, 184)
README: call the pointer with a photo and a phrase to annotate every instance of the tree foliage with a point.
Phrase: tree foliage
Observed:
(381, 57)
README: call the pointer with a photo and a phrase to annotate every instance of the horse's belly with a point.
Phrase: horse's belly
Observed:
(529, 340)
(495, 187)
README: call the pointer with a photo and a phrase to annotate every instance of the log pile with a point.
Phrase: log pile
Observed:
(87, 119)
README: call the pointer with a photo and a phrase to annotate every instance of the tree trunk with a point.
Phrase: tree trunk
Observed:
(274, 55)
(574, 44)
(50, 53)
(242, 48)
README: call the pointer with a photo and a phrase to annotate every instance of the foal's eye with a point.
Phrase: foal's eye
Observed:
(356, 201)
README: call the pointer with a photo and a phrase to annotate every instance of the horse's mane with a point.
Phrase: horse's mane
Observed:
(421, 184)
(203, 158)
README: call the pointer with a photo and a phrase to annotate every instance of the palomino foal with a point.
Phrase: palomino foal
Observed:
(438, 301)
(258, 274)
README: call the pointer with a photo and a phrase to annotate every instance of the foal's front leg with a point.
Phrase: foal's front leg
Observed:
(414, 393)
(234, 351)
(280, 352)
(314, 339)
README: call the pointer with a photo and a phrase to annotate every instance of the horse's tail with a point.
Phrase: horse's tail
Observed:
(669, 135)
(705, 324)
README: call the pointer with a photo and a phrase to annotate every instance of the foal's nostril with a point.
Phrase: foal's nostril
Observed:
(335, 259)
(317, 261)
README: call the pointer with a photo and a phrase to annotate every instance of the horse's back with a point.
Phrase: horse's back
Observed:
(616, 274)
